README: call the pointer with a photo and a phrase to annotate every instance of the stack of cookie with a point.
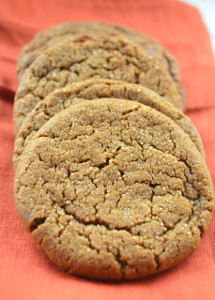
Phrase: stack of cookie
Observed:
(111, 180)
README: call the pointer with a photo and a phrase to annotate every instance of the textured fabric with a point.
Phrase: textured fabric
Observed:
(25, 272)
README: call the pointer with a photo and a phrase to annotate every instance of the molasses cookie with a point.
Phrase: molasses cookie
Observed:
(50, 37)
(86, 57)
(93, 89)
(113, 189)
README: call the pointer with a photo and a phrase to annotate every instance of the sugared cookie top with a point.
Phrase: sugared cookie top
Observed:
(56, 34)
(113, 189)
(86, 57)
(94, 89)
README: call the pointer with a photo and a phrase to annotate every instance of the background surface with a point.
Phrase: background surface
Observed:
(25, 273)
(207, 9)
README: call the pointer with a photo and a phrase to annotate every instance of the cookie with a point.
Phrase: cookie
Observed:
(43, 40)
(113, 189)
(93, 89)
(86, 57)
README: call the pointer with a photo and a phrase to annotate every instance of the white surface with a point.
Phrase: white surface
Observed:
(207, 9)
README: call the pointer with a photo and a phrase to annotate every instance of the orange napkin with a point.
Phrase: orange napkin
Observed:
(25, 273)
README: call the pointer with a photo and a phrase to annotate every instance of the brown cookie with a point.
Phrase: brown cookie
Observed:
(45, 39)
(50, 37)
(93, 89)
(113, 189)
(86, 57)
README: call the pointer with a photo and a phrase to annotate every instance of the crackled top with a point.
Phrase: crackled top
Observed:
(47, 38)
(93, 89)
(86, 57)
(113, 189)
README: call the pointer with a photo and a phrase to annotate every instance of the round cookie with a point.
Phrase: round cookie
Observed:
(50, 37)
(47, 38)
(113, 189)
(93, 89)
(86, 57)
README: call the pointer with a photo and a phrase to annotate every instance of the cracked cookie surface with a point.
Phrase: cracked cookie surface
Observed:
(86, 57)
(93, 89)
(47, 38)
(113, 189)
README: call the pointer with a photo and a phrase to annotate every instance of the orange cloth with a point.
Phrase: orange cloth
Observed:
(25, 273)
